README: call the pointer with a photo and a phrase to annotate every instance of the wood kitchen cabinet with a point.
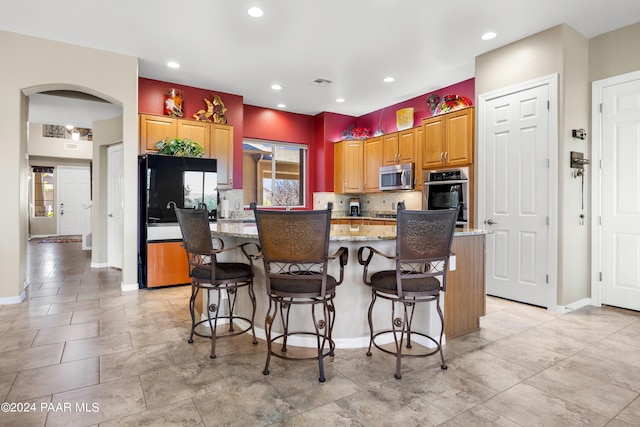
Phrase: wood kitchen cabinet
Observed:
(195, 131)
(215, 139)
(166, 264)
(154, 129)
(221, 149)
(399, 147)
(372, 162)
(448, 139)
(348, 167)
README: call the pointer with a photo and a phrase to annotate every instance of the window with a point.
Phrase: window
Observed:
(274, 173)
(42, 191)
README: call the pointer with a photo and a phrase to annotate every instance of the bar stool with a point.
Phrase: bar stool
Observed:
(212, 276)
(423, 247)
(295, 246)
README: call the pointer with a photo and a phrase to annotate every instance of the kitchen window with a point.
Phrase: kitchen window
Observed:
(274, 173)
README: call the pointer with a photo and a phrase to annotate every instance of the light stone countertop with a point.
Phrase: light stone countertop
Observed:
(342, 232)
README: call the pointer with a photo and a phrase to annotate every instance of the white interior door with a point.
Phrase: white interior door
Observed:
(115, 226)
(620, 193)
(516, 194)
(74, 200)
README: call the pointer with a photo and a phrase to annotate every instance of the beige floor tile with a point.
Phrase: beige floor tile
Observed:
(183, 414)
(67, 307)
(66, 333)
(97, 346)
(528, 406)
(327, 415)
(99, 403)
(255, 404)
(53, 379)
(29, 358)
(585, 391)
(181, 382)
(34, 414)
(479, 416)
(488, 369)
(628, 417)
(133, 363)
(6, 381)
(385, 406)
(37, 322)
(13, 340)
(524, 350)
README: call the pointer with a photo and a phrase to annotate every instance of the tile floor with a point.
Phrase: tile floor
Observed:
(79, 352)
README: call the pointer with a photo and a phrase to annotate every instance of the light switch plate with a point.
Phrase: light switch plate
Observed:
(452, 263)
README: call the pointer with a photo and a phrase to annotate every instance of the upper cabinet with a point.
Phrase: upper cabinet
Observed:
(221, 148)
(399, 147)
(216, 139)
(348, 164)
(154, 129)
(372, 162)
(448, 139)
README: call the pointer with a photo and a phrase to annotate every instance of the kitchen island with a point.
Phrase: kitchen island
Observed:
(463, 301)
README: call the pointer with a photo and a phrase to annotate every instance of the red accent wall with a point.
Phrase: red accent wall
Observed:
(319, 132)
(419, 103)
(151, 101)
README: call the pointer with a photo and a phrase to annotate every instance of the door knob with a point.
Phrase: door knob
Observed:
(490, 222)
(110, 215)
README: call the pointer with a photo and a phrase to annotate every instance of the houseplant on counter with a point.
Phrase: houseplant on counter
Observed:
(180, 147)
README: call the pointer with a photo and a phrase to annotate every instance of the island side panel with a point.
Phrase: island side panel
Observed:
(465, 297)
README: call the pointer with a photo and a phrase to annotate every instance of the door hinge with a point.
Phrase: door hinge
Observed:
(600, 276)
(548, 105)
(600, 108)
(547, 162)
(546, 278)
(547, 220)
(600, 220)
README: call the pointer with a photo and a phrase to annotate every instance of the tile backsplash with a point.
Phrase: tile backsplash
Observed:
(370, 204)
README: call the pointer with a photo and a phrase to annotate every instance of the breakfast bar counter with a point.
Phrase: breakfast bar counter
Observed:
(463, 301)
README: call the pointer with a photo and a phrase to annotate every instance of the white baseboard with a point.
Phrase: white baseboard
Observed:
(128, 287)
(563, 309)
(14, 300)
(99, 265)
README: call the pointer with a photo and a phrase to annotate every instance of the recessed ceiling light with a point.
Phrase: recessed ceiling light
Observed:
(282, 106)
(340, 100)
(256, 12)
(388, 79)
(488, 36)
(173, 64)
(276, 86)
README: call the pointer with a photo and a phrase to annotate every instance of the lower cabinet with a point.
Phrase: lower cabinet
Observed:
(166, 264)
(465, 296)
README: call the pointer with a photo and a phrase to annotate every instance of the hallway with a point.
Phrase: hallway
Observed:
(117, 358)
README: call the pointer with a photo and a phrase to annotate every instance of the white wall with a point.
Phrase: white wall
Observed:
(38, 145)
(110, 76)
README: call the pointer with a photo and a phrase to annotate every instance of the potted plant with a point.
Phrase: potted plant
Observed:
(180, 147)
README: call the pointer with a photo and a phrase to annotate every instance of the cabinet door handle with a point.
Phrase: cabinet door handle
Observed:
(442, 156)
(446, 154)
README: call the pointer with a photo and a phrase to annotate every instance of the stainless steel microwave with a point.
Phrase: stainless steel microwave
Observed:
(397, 177)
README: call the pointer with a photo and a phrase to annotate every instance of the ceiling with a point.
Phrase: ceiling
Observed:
(424, 44)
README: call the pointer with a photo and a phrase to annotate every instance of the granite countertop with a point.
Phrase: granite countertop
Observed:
(339, 232)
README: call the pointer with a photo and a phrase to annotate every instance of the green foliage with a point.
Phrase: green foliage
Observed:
(180, 147)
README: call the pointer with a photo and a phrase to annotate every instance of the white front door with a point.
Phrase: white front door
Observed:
(619, 147)
(74, 200)
(115, 226)
(515, 193)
